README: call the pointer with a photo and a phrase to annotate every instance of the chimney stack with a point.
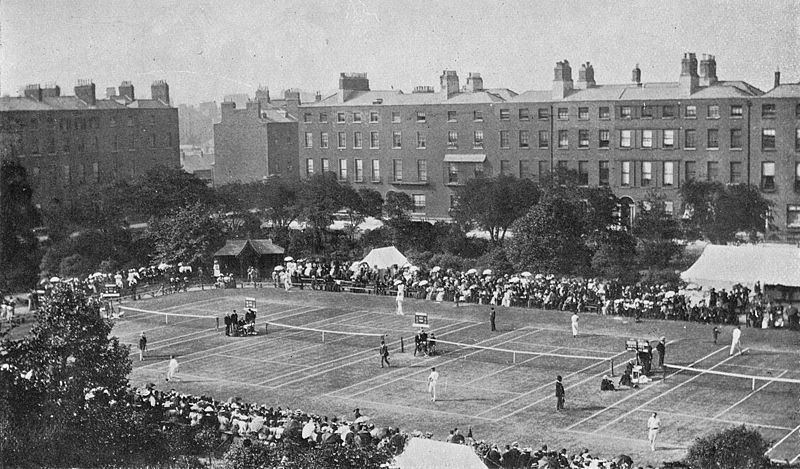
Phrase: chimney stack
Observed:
(33, 92)
(111, 92)
(689, 81)
(262, 95)
(85, 91)
(159, 90)
(636, 75)
(474, 82)
(708, 70)
(317, 97)
(350, 83)
(562, 80)
(449, 83)
(126, 91)
(777, 79)
(51, 91)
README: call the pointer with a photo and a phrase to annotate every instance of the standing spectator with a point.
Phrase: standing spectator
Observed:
(715, 332)
(575, 324)
(172, 368)
(661, 348)
(736, 343)
(401, 293)
(384, 351)
(432, 379)
(559, 394)
(653, 423)
(227, 324)
(142, 346)
(492, 315)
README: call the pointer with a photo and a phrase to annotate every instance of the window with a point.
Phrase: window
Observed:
(112, 122)
(95, 172)
(341, 140)
(797, 111)
(397, 139)
(767, 111)
(690, 139)
(524, 114)
(477, 116)
(767, 139)
(374, 140)
(452, 174)
(793, 216)
(323, 117)
(604, 138)
(359, 168)
(505, 167)
(505, 114)
(647, 173)
(625, 138)
(583, 173)
(713, 111)
(543, 169)
(647, 139)
(563, 114)
(583, 113)
(604, 112)
(342, 170)
(325, 165)
(131, 144)
(544, 113)
(713, 139)
(422, 170)
(65, 174)
(357, 140)
(356, 117)
(323, 139)
(647, 112)
(626, 173)
(583, 138)
(309, 166)
(712, 171)
(307, 117)
(419, 202)
(477, 139)
(668, 112)
(451, 116)
(421, 142)
(736, 172)
(544, 139)
(115, 146)
(130, 122)
(524, 139)
(452, 139)
(736, 139)
(340, 118)
(395, 117)
(603, 173)
(152, 141)
(563, 139)
(797, 177)
(524, 169)
(691, 112)
(669, 173)
(478, 171)
(736, 111)
(669, 207)
(625, 112)
(668, 139)
(421, 116)
(373, 117)
(690, 170)
(376, 170)
(797, 139)
(397, 170)
(768, 176)
(504, 139)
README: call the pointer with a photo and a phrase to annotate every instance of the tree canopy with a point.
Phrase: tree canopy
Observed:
(190, 235)
(718, 212)
(18, 218)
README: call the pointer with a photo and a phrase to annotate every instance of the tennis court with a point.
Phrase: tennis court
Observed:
(319, 352)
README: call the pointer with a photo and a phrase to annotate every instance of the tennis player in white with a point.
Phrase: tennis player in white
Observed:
(653, 423)
(574, 324)
(432, 379)
(401, 293)
(736, 342)
(172, 368)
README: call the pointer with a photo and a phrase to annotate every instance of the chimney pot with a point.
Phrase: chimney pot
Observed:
(777, 78)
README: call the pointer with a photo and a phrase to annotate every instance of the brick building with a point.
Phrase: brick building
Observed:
(254, 143)
(633, 137)
(66, 142)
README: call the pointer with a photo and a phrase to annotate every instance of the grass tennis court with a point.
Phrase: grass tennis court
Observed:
(504, 396)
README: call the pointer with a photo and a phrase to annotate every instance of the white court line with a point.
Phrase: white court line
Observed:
(438, 363)
(259, 360)
(714, 419)
(408, 409)
(635, 394)
(782, 440)
(748, 396)
(661, 395)
(794, 459)
(484, 376)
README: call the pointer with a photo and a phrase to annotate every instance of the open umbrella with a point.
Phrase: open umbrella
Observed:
(361, 419)
(423, 283)
(526, 274)
(54, 280)
(472, 272)
(278, 268)
(288, 259)
(487, 272)
(436, 269)
(398, 282)
(513, 280)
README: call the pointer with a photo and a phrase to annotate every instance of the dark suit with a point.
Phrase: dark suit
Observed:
(491, 319)
(559, 395)
(661, 348)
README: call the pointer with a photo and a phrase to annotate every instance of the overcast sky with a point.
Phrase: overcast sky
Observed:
(206, 49)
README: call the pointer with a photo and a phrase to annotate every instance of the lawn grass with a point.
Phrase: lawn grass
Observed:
(502, 397)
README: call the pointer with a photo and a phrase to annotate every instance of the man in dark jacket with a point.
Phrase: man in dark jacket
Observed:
(559, 394)
(661, 348)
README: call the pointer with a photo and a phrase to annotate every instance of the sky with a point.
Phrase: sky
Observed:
(206, 49)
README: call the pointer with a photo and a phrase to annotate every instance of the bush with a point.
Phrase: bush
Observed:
(734, 448)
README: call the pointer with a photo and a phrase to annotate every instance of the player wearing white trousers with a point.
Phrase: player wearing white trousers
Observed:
(653, 423)
(401, 293)
(432, 379)
(574, 324)
(736, 340)
(172, 368)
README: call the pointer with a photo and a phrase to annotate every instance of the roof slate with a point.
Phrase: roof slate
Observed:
(72, 103)
(789, 90)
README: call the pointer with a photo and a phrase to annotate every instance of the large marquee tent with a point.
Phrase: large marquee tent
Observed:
(724, 266)
(421, 453)
(383, 258)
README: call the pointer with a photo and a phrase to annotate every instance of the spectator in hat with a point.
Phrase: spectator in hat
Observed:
(661, 348)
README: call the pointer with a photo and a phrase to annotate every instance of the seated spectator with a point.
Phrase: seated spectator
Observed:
(606, 384)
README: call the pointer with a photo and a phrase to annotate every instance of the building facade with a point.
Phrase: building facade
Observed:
(69, 142)
(635, 137)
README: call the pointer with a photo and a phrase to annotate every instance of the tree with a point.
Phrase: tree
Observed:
(657, 231)
(493, 204)
(321, 196)
(159, 191)
(190, 235)
(360, 204)
(615, 256)
(397, 206)
(734, 448)
(18, 218)
(718, 212)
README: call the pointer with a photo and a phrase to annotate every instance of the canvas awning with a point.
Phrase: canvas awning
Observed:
(422, 453)
(234, 247)
(383, 258)
(464, 158)
(725, 266)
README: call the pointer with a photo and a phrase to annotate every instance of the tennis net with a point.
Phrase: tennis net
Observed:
(739, 380)
(154, 318)
(328, 336)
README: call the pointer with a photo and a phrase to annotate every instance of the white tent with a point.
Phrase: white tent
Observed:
(725, 266)
(421, 453)
(383, 258)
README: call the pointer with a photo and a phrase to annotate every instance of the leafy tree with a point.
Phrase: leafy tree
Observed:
(615, 256)
(321, 196)
(18, 217)
(397, 206)
(493, 204)
(360, 204)
(657, 231)
(160, 191)
(278, 198)
(717, 212)
(734, 448)
(114, 245)
(190, 235)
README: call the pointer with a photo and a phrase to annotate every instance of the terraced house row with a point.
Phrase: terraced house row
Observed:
(633, 137)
